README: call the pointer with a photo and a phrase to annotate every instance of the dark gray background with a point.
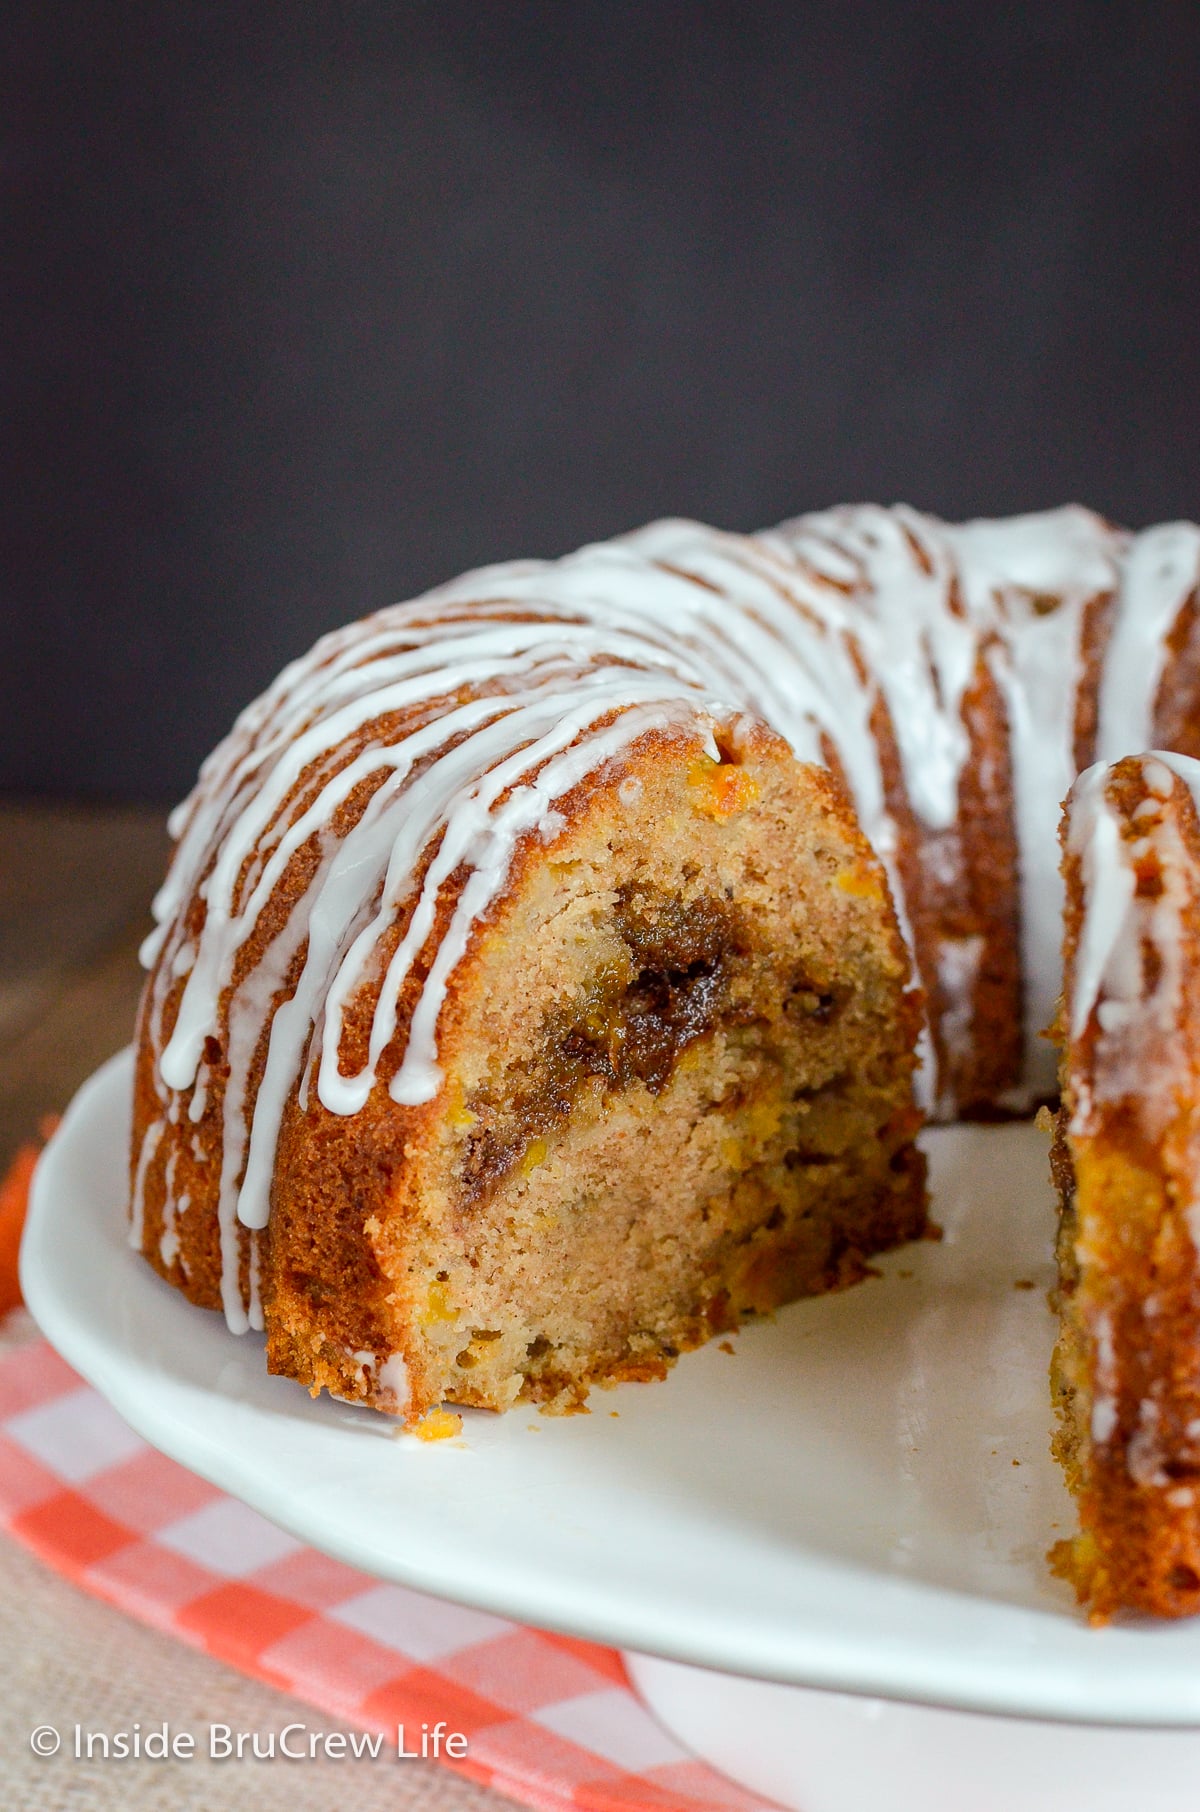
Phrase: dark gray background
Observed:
(307, 307)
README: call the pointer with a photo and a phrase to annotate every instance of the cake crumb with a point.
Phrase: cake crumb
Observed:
(1024, 1283)
(438, 1425)
(726, 1346)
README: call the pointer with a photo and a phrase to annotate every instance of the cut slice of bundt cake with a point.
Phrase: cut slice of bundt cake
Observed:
(516, 1019)
(1126, 1375)
(677, 1088)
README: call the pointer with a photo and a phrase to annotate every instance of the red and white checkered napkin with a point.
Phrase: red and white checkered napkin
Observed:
(549, 1720)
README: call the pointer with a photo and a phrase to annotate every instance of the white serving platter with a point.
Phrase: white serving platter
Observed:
(859, 1497)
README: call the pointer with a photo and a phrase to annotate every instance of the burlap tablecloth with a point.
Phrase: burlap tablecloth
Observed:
(69, 1659)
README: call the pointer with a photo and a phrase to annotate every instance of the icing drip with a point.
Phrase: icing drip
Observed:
(386, 1378)
(150, 1145)
(1136, 1007)
(1185, 768)
(928, 602)
(392, 1382)
(1105, 956)
(1027, 582)
(1161, 573)
(919, 649)
(168, 1244)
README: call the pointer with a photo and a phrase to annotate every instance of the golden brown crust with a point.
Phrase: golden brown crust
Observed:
(983, 904)
(1094, 632)
(1126, 1377)
(1177, 705)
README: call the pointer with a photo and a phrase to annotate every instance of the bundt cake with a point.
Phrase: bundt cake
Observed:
(559, 966)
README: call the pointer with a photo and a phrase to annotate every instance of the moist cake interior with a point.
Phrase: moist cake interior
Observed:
(680, 1091)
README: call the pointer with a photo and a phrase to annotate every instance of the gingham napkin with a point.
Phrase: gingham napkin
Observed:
(550, 1721)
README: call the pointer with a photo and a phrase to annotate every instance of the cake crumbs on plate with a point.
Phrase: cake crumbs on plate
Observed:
(438, 1425)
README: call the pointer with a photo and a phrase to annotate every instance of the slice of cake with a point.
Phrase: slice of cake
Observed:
(1126, 1375)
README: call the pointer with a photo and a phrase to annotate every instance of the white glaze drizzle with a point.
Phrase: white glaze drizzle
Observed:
(391, 1381)
(1137, 1023)
(1161, 573)
(1027, 582)
(930, 600)
(920, 651)
(137, 1215)
(1185, 768)
(1105, 944)
(385, 1381)
(168, 1244)
(809, 626)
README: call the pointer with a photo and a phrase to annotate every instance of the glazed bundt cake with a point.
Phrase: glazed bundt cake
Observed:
(555, 968)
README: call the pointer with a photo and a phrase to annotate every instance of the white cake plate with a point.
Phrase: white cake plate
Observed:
(859, 1498)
